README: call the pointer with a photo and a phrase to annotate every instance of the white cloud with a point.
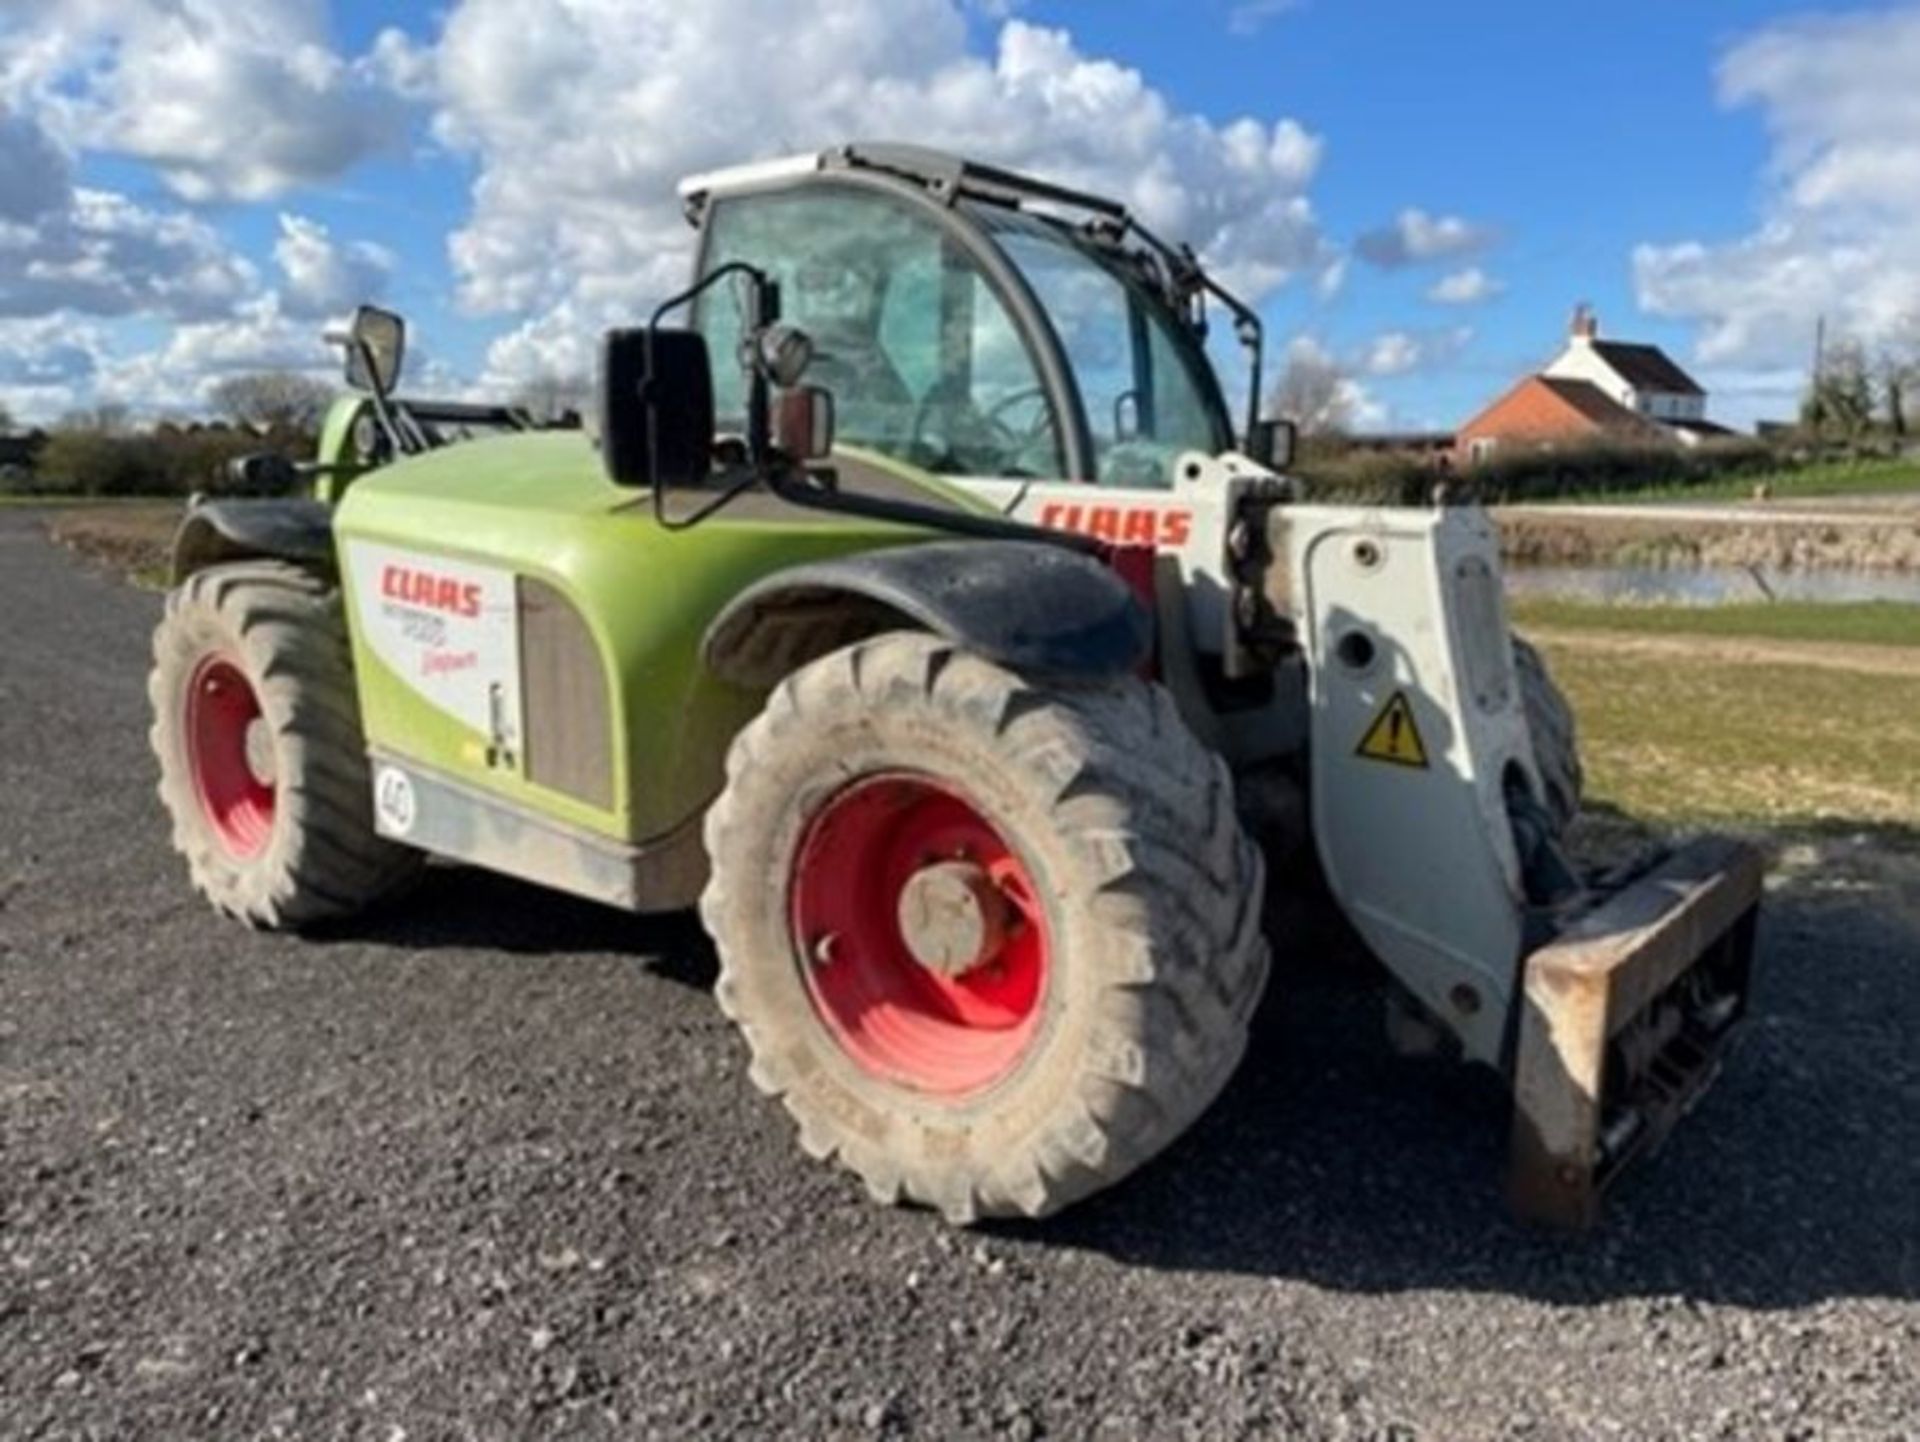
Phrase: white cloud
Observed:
(1415, 236)
(325, 277)
(559, 342)
(1394, 353)
(101, 254)
(1250, 17)
(52, 364)
(1332, 278)
(178, 376)
(47, 364)
(50, 350)
(226, 101)
(72, 257)
(1399, 352)
(1839, 236)
(401, 64)
(35, 178)
(581, 117)
(1465, 287)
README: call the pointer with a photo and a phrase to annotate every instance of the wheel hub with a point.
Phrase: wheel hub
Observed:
(952, 917)
(261, 763)
(920, 934)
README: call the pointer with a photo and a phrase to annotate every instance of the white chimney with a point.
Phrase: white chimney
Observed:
(1586, 325)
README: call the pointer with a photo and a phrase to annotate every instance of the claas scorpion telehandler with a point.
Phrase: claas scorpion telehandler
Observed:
(914, 605)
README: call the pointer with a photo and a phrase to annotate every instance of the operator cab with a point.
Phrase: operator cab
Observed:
(969, 322)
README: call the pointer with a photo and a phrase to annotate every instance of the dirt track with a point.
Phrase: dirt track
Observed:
(488, 1167)
(1826, 655)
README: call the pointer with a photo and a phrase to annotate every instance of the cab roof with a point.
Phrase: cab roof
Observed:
(947, 177)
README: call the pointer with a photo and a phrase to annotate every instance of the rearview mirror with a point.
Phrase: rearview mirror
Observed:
(656, 407)
(376, 344)
(1272, 444)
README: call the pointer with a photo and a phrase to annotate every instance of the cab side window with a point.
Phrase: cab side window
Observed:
(923, 360)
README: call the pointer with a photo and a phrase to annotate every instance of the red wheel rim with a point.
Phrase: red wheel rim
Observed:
(231, 756)
(894, 1016)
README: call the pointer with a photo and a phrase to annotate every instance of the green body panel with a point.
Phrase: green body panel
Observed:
(336, 437)
(540, 506)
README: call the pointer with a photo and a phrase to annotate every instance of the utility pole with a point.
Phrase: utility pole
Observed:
(1817, 401)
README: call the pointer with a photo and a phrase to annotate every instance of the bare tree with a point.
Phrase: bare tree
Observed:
(108, 418)
(550, 396)
(1313, 392)
(1840, 400)
(1897, 367)
(273, 400)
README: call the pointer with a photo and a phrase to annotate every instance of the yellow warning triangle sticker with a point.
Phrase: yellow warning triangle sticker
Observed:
(1393, 737)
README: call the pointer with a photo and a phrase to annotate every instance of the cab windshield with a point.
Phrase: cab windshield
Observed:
(1146, 399)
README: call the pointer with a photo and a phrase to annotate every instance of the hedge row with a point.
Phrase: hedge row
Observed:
(1377, 478)
(177, 463)
(158, 463)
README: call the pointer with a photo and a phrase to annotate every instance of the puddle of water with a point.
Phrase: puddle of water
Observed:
(1709, 586)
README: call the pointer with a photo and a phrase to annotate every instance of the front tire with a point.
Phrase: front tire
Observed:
(994, 943)
(263, 770)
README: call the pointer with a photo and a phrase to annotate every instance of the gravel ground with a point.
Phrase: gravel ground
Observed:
(489, 1167)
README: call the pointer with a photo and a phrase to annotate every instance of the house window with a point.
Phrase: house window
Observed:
(1480, 447)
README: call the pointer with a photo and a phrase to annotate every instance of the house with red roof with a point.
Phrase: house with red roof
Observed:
(1595, 390)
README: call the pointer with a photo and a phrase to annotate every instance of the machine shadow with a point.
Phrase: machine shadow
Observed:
(1331, 1160)
(460, 907)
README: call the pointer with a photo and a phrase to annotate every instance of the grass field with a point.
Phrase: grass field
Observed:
(1683, 739)
(1833, 478)
(1870, 623)
(1813, 719)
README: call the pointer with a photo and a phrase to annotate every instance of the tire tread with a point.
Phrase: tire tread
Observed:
(1174, 886)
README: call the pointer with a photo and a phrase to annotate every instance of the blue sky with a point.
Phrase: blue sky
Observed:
(186, 190)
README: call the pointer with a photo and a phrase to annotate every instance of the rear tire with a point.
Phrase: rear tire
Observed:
(1142, 889)
(262, 764)
(1556, 741)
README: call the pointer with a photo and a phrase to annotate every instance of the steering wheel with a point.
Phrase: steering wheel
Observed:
(1043, 421)
(995, 431)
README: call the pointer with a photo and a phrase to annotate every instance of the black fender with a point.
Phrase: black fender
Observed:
(286, 529)
(1027, 605)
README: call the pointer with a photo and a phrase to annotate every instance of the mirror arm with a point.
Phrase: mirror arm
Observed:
(746, 482)
(766, 308)
(403, 418)
(404, 442)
